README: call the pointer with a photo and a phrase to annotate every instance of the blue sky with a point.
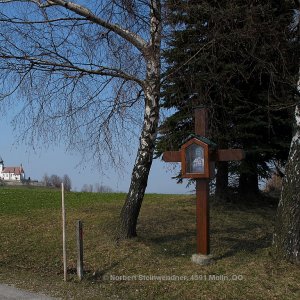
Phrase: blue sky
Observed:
(54, 160)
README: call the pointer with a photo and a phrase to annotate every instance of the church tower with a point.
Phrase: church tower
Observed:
(1, 165)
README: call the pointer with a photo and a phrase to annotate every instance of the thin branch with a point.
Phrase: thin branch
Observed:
(2, 96)
(104, 71)
(131, 37)
(15, 21)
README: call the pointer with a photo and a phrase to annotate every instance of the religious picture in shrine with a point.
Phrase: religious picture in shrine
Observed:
(194, 159)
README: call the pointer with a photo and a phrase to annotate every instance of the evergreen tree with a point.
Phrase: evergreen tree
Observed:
(234, 58)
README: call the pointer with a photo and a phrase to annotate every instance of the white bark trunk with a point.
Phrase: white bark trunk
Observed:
(140, 173)
(287, 229)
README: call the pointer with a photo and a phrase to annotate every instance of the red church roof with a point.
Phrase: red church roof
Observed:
(14, 170)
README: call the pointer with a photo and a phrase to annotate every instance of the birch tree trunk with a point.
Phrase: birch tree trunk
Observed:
(286, 238)
(140, 173)
(144, 158)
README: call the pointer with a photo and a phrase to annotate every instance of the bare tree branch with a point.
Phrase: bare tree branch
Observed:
(131, 37)
(16, 21)
(44, 66)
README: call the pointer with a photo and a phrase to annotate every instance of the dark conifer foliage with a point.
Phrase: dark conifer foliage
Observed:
(238, 59)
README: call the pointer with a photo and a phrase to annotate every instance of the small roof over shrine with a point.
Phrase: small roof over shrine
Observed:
(201, 138)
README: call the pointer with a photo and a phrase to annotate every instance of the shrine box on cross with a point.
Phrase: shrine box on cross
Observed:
(195, 160)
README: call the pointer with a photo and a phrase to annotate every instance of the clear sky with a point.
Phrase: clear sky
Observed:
(54, 160)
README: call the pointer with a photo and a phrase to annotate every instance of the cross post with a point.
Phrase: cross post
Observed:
(202, 191)
(207, 161)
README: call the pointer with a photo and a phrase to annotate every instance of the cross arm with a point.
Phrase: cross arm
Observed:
(172, 156)
(218, 155)
(228, 155)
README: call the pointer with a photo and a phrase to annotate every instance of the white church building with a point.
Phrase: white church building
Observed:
(11, 173)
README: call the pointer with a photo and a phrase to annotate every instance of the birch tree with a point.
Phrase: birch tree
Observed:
(286, 238)
(88, 73)
(287, 229)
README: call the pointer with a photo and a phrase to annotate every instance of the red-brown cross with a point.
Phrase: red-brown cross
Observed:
(202, 184)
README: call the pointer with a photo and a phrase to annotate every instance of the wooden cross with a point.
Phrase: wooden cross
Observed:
(202, 184)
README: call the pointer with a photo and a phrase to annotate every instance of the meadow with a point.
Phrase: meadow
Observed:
(156, 265)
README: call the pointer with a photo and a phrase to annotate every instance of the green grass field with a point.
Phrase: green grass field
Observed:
(241, 236)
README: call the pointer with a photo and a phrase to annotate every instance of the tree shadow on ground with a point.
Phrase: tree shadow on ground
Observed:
(247, 245)
(226, 241)
(172, 244)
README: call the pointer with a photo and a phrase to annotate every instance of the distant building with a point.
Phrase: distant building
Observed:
(11, 173)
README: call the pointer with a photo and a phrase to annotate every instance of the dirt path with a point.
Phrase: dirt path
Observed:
(9, 292)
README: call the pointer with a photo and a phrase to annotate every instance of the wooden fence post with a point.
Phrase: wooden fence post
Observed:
(79, 238)
(64, 230)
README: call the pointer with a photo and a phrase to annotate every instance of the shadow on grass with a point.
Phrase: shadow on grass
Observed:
(185, 244)
(172, 245)
(250, 245)
(226, 240)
